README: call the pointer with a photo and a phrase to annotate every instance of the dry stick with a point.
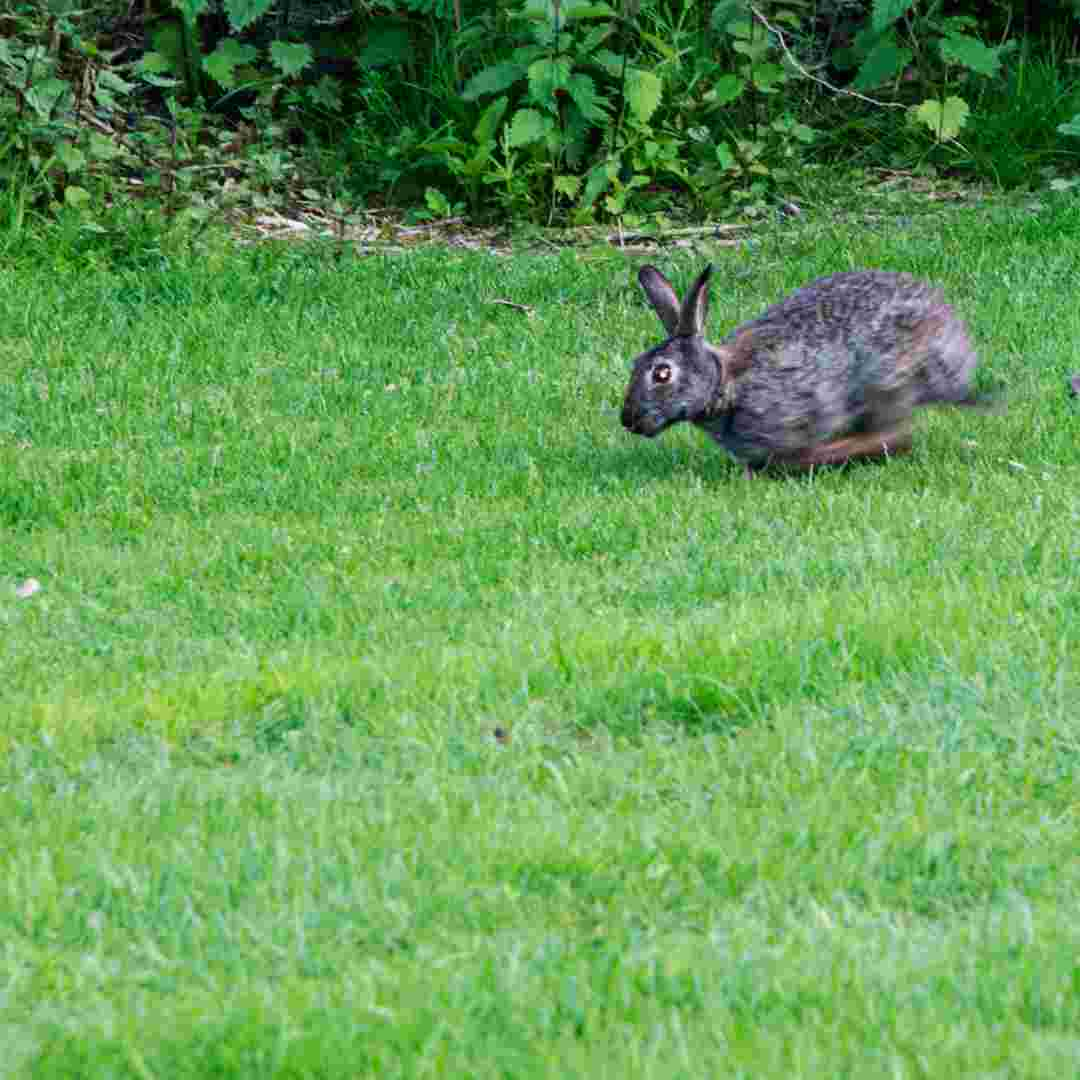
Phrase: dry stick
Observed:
(829, 86)
(523, 308)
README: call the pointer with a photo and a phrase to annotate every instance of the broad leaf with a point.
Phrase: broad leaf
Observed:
(944, 119)
(643, 93)
(885, 62)
(154, 63)
(191, 9)
(612, 62)
(546, 77)
(109, 80)
(222, 63)
(71, 157)
(576, 136)
(1071, 127)
(587, 11)
(290, 58)
(489, 121)
(567, 185)
(528, 126)
(598, 181)
(327, 93)
(76, 196)
(493, 80)
(725, 90)
(971, 53)
(388, 42)
(766, 76)
(583, 93)
(886, 12)
(242, 13)
(551, 10)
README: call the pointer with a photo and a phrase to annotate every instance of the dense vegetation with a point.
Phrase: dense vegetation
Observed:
(522, 110)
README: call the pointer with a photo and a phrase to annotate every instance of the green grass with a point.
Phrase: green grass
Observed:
(790, 788)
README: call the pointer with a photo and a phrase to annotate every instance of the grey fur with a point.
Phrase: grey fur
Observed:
(832, 371)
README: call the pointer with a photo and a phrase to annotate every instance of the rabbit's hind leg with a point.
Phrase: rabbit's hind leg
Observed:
(870, 444)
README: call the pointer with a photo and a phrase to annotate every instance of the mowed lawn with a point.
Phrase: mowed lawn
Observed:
(786, 775)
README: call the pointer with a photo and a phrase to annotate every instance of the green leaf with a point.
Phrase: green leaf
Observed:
(327, 93)
(576, 132)
(587, 11)
(755, 50)
(493, 80)
(190, 10)
(528, 126)
(489, 121)
(664, 48)
(643, 92)
(767, 76)
(724, 11)
(726, 89)
(885, 62)
(583, 93)
(437, 202)
(567, 185)
(71, 157)
(76, 196)
(101, 148)
(109, 80)
(388, 42)
(944, 119)
(160, 82)
(546, 76)
(550, 10)
(154, 63)
(242, 13)
(886, 12)
(725, 158)
(598, 180)
(610, 61)
(971, 53)
(289, 57)
(1071, 127)
(222, 63)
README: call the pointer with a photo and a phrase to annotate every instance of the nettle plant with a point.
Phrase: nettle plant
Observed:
(739, 107)
(563, 98)
(54, 86)
(597, 111)
(906, 40)
(178, 60)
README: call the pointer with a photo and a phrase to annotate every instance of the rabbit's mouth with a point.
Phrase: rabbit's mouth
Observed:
(642, 423)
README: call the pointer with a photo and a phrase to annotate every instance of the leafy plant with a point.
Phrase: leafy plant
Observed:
(912, 40)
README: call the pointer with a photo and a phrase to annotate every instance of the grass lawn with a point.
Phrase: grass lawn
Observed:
(788, 777)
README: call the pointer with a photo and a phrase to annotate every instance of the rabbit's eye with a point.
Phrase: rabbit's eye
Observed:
(662, 373)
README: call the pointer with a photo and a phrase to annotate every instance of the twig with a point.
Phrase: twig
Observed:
(523, 308)
(622, 239)
(828, 86)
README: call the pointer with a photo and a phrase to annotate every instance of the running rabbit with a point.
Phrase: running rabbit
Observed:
(830, 373)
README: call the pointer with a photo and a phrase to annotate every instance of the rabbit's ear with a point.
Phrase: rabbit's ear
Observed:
(662, 296)
(695, 308)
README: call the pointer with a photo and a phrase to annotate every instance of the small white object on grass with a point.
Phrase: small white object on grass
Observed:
(27, 588)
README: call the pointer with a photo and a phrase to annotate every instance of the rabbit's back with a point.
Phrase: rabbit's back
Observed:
(839, 351)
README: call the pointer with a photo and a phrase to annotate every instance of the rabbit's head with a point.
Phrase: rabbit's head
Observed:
(685, 377)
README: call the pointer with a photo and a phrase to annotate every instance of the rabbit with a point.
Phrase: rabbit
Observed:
(829, 374)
